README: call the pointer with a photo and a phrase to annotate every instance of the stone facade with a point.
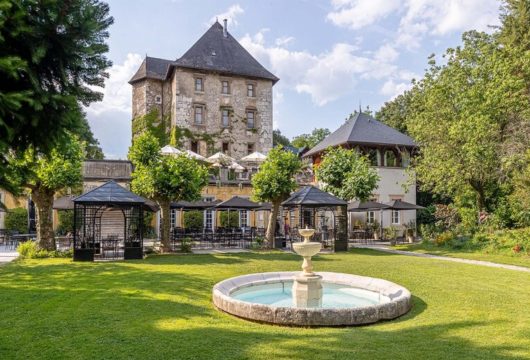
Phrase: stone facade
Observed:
(177, 100)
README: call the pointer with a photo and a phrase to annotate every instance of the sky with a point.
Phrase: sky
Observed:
(331, 56)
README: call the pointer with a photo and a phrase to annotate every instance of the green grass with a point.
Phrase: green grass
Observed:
(520, 259)
(160, 308)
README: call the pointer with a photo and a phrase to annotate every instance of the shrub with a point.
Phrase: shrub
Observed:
(30, 250)
(428, 232)
(66, 222)
(234, 218)
(17, 220)
(193, 219)
(185, 247)
(444, 239)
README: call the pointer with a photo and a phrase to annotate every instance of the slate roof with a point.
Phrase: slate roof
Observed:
(214, 52)
(110, 193)
(361, 128)
(152, 68)
(194, 205)
(239, 203)
(312, 196)
(357, 206)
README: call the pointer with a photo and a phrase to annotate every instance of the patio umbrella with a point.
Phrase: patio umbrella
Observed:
(402, 205)
(238, 168)
(170, 150)
(254, 157)
(195, 156)
(222, 159)
(357, 206)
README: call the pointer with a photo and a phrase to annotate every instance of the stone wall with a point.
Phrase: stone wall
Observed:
(178, 97)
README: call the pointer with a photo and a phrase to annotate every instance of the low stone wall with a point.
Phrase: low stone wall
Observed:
(399, 301)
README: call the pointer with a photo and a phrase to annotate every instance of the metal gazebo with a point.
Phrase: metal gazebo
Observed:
(108, 224)
(310, 200)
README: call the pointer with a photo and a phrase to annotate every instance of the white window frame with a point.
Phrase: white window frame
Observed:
(201, 82)
(201, 113)
(253, 112)
(251, 89)
(243, 218)
(227, 92)
(395, 217)
(370, 217)
(223, 124)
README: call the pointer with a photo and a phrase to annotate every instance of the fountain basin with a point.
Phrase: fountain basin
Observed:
(347, 299)
(307, 248)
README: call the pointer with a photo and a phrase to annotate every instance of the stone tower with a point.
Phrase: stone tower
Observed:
(216, 97)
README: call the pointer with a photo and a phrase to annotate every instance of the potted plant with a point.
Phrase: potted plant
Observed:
(375, 229)
(391, 234)
(409, 231)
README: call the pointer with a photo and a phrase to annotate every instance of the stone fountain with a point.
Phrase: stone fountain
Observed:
(307, 286)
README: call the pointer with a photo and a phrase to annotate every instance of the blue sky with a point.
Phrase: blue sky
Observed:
(330, 55)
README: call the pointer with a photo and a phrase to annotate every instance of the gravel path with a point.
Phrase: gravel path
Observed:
(445, 258)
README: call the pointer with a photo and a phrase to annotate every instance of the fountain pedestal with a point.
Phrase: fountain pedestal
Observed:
(307, 287)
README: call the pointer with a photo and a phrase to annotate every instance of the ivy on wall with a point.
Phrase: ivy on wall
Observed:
(153, 123)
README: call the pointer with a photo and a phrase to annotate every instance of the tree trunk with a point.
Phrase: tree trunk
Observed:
(271, 227)
(165, 219)
(481, 196)
(43, 199)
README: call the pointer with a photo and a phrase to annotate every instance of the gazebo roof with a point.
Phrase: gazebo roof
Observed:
(403, 205)
(110, 193)
(194, 205)
(314, 197)
(238, 203)
(368, 205)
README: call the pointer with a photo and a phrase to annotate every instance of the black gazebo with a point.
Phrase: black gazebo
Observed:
(237, 203)
(309, 201)
(108, 224)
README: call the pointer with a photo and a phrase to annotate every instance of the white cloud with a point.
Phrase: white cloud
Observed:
(386, 53)
(325, 76)
(117, 91)
(392, 89)
(417, 18)
(113, 115)
(284, 40)
(230, 14)
(356, 14)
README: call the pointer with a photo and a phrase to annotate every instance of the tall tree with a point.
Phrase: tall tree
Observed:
(310, 140)
(164, 178)
(93, 150)
(44, 174)
(52, 54)
(347, 174)
(274, 181)
(461, 112)
(394, 113)
(279, 139)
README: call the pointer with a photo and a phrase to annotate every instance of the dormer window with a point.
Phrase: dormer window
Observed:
(225, 87)
(199, 84)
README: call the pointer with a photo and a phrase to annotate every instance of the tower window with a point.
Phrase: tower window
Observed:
(250, 148)
(226, 148)
(250, 90)
(199, 114)
(225, 87)
(225, 118)
(158, 99)
(251, 117)
(199, 85)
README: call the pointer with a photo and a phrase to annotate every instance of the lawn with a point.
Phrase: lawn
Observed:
(160, 308)
(515, 259)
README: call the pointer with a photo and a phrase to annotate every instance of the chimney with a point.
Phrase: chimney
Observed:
(225, 28)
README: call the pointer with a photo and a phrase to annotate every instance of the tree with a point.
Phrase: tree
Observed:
(51, 57)
(394, 113)
(274, 182)
(279, 139)
(17, 220)
(310, 140)
(164, 178)
(347, 174)
(92, 149)
(44, 174)
(462, 112)
(514, 30)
